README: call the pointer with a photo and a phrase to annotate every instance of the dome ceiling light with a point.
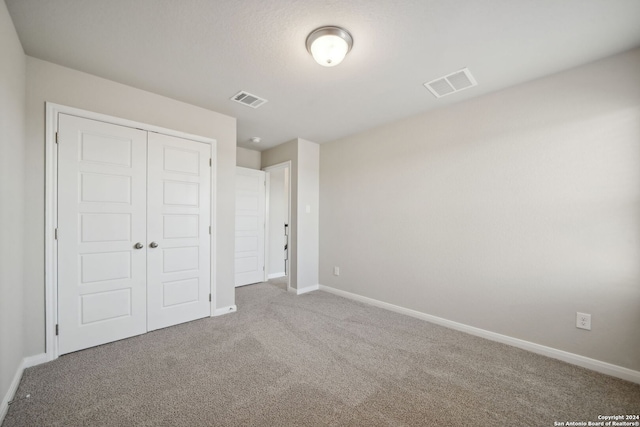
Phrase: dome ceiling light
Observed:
(329, 45)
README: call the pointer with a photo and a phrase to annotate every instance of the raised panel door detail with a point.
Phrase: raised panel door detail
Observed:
(105, 227)
(119, 186)
(101, 306)
(99, 267)
(180, 292)
(105, 188)
(246, 264)
(105, 149)
(180, 259)
(178, 219)
(181, 193)
(248, 182)
(180, 226)
(246, 243)
(181, 161)
(101, 215)
(246, 223)
(250, 221)
(248, 202)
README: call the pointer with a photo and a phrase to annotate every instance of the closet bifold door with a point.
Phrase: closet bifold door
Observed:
(178, 220)
(102, 190)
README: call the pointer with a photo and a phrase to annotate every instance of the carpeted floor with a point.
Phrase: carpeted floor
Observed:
(315, 359)
(280, 282)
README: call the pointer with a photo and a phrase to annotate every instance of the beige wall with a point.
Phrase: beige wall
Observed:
(248, 158)
(50, 82)
(12, 175)
(508, 212)
(308, 212)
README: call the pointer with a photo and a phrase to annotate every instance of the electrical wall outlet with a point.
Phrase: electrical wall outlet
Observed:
(336, 271)
(583, 321)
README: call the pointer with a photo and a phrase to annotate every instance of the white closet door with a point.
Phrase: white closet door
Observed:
(101, 218)
(178, 220)
(250, 226)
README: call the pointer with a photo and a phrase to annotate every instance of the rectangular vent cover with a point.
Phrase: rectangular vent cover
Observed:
(451, 83)
(245, 98)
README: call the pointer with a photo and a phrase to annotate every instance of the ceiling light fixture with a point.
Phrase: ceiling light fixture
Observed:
(329, 45)
(255, 139)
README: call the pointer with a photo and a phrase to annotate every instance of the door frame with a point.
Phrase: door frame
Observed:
(268, 169)
(51, 208)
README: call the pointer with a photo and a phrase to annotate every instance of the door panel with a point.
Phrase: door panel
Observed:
(117, 187)
(250, 226)
(102, 215)
(178, 273)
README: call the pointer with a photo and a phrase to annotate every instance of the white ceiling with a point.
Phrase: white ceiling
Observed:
(205, 51)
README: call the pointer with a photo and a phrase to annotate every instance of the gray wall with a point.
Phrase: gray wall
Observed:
(50, 82)
(308, 212)
(508, 212)
(12, 175)
(248, 158)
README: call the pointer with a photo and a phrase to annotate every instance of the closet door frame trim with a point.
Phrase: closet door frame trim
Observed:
(51, 208)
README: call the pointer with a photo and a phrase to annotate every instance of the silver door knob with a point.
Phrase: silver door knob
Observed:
(138, 245)
(154, 244)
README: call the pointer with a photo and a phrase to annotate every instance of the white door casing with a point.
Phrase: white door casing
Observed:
(101, 217)
(250, 226)
(118, 190)
(178, 273)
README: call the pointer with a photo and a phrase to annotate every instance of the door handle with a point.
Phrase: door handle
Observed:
(153, 244)
(138, 245)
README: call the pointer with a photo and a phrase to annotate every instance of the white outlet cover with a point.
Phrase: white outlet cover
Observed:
(336, 271)
(583, 321)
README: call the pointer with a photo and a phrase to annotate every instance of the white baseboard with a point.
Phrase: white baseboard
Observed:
(225, 310)
(38, 359)
(306, 289)
(4, 406)
(276, 275)
(565, 356)
(27, 362)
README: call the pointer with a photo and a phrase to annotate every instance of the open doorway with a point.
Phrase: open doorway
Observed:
(278, 224)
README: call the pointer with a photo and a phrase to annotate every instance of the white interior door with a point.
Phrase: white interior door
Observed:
(133, 231)
(101, 232)
(178, 224)
(250, 226)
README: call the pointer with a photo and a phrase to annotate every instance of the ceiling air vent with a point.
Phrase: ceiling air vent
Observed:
(245, 98)
(452, 83)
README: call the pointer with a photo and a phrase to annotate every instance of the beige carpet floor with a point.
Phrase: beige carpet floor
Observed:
(280, 282)
(312, 360)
